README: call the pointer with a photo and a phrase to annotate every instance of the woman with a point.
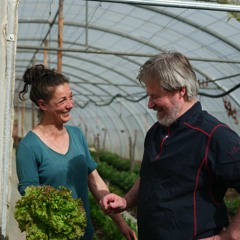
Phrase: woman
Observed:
(56, 154)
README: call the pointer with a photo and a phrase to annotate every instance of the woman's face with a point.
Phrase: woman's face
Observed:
(59, 106)
(167, 104)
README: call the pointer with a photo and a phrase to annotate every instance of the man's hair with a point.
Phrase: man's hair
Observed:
(172, 71)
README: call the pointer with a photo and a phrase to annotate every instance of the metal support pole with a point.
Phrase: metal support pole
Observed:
(8, 118)
(179, 4)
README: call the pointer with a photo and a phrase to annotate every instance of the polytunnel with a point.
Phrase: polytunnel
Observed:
(100, 46)
(105, 42)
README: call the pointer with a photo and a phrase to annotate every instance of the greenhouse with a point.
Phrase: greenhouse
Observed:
(100, 46)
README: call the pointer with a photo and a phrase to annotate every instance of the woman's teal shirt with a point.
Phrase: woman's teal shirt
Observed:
(37, 164)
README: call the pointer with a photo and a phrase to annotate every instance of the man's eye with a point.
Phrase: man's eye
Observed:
(153, 97)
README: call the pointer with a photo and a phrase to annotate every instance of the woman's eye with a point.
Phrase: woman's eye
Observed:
(62, 101)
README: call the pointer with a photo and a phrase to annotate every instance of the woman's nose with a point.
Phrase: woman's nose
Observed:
(70, 104)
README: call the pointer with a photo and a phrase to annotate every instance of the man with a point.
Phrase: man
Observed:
(190, 160)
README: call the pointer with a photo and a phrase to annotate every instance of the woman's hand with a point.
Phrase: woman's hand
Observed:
(127, 231)
(223, 235)
(112, 204)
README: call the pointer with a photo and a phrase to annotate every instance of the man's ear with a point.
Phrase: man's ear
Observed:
(182, 92)
(41, 104)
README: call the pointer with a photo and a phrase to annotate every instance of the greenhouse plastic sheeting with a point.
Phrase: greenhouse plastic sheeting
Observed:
(105, 43)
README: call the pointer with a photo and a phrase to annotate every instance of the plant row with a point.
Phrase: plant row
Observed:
(121, 164)
(123, 180)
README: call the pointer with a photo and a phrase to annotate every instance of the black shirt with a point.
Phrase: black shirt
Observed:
(186, 170)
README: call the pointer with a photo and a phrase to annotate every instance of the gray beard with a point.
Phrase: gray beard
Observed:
(169, 119)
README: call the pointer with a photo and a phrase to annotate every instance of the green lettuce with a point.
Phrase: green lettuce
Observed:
(47, 213)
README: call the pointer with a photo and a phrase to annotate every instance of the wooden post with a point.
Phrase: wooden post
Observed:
(104, 138)
(33, 115)
(45, 54)
(98, 146)
(133, 151)
(130, 147)
(23, 119)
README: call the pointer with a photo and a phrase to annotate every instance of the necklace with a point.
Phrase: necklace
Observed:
(60, 136)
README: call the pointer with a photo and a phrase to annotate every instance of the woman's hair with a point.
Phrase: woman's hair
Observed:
(42, 82)
(172, 71)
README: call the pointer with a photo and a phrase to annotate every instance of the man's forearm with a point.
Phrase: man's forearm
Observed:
(132, 196)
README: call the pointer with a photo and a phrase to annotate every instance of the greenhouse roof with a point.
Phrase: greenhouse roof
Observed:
(105, 42)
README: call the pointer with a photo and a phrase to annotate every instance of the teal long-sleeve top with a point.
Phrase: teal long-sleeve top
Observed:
(37, 164)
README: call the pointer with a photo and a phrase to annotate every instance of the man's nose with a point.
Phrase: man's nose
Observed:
(151, 103)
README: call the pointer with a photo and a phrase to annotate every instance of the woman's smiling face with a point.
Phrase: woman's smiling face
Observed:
(61, 103)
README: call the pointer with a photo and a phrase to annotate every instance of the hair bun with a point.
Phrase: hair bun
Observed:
(33, 73)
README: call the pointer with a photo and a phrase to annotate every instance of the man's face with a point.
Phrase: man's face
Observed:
(167, 104)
